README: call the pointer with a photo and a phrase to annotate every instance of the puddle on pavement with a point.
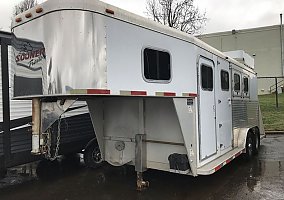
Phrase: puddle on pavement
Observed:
(19, 175)
(261, 178)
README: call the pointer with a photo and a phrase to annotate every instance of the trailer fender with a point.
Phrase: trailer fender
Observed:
(91, 142)
(241, 135)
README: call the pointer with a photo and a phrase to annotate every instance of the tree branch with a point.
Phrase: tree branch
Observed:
(179, 14)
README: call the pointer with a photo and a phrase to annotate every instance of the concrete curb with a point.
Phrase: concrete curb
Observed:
(274, 132)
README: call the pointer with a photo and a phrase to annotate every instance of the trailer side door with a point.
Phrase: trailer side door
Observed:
(207, 129)
(223, 105)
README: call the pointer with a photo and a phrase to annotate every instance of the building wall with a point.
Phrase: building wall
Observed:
(263, 43)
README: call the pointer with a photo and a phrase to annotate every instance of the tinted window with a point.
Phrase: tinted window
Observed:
(207, 77)
(237, 82)
(246, 85)
(157, 65)
(225, 82)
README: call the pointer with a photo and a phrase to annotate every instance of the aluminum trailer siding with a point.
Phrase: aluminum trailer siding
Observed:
(15, 120)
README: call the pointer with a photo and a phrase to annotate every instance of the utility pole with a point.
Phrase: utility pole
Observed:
(281, 45)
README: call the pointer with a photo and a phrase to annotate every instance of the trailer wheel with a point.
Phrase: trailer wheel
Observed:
(249, 146)
(256, 144)
(92, 155)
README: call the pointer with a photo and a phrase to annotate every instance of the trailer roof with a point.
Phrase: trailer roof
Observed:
(120, 14)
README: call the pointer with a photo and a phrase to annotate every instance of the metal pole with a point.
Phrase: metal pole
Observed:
(281, 45)
(276, 93)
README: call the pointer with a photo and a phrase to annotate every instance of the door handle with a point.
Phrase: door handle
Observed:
(230, 101)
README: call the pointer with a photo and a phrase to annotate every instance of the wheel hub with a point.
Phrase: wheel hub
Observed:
(96, 155)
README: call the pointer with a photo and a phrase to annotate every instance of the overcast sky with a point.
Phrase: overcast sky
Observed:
(223, 15)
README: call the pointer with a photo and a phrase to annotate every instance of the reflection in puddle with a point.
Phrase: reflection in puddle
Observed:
(19, 175)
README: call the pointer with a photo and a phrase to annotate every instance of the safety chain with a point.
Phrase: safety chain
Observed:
(48, 142)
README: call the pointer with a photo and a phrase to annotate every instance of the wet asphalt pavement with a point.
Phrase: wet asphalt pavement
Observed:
(261, 178)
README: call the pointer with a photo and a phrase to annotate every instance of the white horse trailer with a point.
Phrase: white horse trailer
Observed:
(158, 98)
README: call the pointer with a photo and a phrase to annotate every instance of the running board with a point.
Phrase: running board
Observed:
(220, 162)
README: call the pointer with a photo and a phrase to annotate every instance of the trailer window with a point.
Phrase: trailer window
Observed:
(237, 82)
(157, 65)
(225, 82)
(207, 77)
(246, 85)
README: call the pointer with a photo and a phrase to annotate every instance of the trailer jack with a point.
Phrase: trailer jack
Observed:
(141, 184)
(140, 161)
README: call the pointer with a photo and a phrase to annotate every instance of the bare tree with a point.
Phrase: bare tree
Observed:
(23, 6)
(178, 14)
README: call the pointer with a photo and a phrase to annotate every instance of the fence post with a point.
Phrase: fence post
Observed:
(5, 99)
(276, 92)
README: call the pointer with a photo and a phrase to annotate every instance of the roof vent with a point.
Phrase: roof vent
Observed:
(242, 57)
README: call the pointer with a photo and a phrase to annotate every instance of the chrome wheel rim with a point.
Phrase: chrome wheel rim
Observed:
(96, 155)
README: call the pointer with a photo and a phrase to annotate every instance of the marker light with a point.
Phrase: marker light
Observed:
(18, 19)
(109, 11)
(28, 15)
(39, 10)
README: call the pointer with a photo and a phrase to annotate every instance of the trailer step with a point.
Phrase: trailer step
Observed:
(220, 162)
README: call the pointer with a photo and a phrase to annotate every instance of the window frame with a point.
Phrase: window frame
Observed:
(246, 93)
(143, 65)
(222, 70)
(238, 75)
(206, 89)
(237, 93)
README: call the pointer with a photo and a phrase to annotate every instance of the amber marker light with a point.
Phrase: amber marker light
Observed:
(18, 19)
(109, 11)
(28, 15)
(39, 10)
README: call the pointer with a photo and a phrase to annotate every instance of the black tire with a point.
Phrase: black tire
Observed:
(3, 173)
(92, 156)
(256, 143)
(47, 169)
(249, 146)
